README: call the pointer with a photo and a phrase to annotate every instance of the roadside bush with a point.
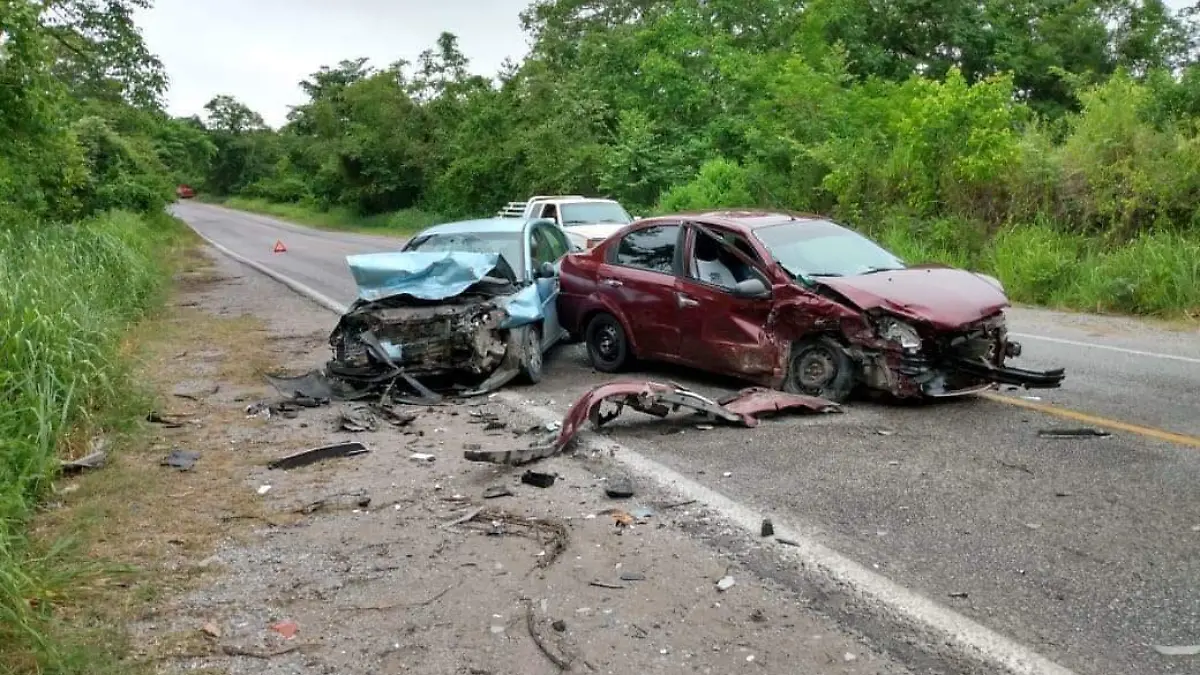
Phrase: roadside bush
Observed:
(1037, 263)
(720, 183)
(1156, 273)
(68, 293)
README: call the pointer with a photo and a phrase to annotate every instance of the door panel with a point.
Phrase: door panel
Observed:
(545, 246)
(722, 333)
(639, 278)
(719, 331)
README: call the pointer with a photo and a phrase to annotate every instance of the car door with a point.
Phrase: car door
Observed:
(547, 244)
(721, 332)
(637, 278)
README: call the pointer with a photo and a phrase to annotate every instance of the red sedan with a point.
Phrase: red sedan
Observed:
(794, 302)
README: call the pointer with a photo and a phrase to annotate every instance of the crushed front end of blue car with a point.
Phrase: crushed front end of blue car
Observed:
(432, 321)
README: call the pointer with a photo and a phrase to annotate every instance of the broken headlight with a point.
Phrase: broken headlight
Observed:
(903, 334)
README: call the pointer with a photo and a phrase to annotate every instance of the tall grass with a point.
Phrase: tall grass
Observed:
(405, 222)
(68, 294)
(1155, 274)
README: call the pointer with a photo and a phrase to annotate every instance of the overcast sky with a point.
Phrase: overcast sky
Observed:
(258, 50)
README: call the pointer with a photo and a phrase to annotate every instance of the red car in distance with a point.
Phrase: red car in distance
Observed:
(790, 301)
(185, 192)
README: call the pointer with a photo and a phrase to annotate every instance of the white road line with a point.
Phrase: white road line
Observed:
(965, 638)
(1123, 350)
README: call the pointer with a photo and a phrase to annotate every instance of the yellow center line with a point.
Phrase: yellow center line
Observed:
(1094, 420)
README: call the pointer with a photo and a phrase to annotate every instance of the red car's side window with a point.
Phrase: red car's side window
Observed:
(653, 248)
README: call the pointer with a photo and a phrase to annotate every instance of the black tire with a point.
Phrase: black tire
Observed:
(820, 367)
(607, 345)
(532, 359)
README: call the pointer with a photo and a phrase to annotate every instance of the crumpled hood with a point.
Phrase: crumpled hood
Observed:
(439, 276)
(425, 275)
(945, 297)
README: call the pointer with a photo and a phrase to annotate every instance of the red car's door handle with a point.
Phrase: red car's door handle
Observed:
(611, 282)
(685, 301)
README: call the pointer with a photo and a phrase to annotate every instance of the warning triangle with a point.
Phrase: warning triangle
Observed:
(279, 247)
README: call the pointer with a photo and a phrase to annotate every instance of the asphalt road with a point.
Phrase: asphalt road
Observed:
(1086, 550)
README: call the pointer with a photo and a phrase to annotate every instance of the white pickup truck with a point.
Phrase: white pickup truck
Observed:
(586, 220)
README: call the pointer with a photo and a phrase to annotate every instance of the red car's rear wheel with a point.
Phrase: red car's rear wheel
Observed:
(607, 345)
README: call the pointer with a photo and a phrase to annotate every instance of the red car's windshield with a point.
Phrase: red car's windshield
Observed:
(819, 248)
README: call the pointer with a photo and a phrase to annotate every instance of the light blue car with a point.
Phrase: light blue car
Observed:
(461, 297)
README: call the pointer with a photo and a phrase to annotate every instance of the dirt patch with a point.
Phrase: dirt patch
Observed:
(390, 561)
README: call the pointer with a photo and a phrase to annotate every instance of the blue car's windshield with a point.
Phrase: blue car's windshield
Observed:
(507, 244)
(819, 248)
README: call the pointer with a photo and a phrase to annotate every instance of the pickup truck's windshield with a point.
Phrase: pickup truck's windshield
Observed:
(587, 213)
(507, 244)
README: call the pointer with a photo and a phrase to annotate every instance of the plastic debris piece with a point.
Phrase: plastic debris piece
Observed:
(306, 457)
(184, 460)
(287, 628)
(538, 479)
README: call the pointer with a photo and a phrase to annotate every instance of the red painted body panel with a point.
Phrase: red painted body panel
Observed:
(945, 297)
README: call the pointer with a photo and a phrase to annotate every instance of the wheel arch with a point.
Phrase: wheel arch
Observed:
(591, 313)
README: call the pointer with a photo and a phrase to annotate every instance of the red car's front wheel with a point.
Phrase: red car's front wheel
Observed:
(820, 367)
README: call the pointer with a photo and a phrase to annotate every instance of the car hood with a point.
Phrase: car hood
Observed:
(947, 298)
(426, 275)
(395, 278)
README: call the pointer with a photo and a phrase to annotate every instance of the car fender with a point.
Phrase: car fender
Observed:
(594, 305)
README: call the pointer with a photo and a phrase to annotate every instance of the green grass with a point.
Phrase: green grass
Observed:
(405, 222)
(1157, 274)
(68, 296)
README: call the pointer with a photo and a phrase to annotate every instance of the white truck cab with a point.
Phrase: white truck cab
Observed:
(586, 220)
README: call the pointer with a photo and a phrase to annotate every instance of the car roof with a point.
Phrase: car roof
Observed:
(747, 219)
(513, 225)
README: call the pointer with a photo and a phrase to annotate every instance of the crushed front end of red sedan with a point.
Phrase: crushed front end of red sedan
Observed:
(792, 302)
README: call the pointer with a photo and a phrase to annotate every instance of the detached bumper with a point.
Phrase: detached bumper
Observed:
(1030, 379)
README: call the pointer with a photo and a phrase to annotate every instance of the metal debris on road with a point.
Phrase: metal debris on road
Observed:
(184, 460)
(356, 420)
(620, 487)
(1081, 432)
(306, 457)
(725, 583)
(196, 394)
(496, 491)
(95, 459)
(422, 457)
(605, 402)
(155, 417)
(1178, 650)
(768, 528)
(538, 479)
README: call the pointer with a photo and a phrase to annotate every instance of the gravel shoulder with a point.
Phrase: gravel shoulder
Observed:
(368, 564)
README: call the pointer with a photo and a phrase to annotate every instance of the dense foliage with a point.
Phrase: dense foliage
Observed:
(88, 161)
(971, 131)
